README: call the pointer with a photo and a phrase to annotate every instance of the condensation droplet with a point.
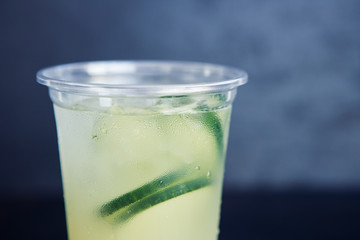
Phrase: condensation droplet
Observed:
(161, 182)
(197, 167)
(208, 174)
(94, 137)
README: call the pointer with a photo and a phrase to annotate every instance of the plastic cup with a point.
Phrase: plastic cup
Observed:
(142, 146)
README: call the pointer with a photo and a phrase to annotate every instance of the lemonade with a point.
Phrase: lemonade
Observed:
(143, 173)
(142, 146)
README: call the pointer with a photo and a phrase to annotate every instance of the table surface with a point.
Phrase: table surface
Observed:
(245, 215)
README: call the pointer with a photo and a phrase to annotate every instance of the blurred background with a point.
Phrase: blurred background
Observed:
(295, 132)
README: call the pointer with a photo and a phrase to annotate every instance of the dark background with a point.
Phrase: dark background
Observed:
(293, 162)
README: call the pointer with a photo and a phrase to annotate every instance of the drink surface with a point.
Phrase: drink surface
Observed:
(143, 172)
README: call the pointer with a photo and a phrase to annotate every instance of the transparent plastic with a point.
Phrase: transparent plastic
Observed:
(142, 146)
(139, 78)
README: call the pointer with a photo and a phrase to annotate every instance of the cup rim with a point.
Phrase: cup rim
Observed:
(78, 77)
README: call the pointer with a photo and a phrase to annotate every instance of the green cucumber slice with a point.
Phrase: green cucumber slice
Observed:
(141, 192)
(166, 187)
(159, 197)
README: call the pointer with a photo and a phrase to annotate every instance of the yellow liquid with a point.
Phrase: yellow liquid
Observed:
(107, 154)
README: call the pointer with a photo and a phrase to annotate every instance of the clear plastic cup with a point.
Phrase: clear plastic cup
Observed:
(142, 146)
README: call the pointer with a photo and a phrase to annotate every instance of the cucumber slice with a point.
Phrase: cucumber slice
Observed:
(179, 181)
(160, 197)
(213, 124)
(141, 192)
